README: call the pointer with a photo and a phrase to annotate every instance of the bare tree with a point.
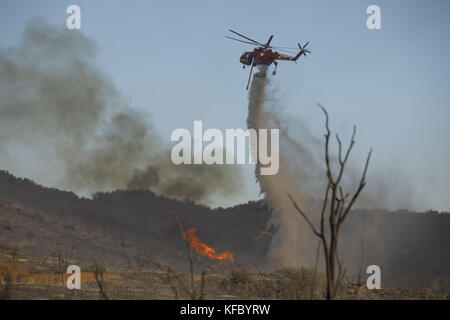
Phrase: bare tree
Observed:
(338, 205)
(99, 271)
(62, 265)
(192, 291)
(6, 285)
(316, 265)
(138, 258)
(14, 252)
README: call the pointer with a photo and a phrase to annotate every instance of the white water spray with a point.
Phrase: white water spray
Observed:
(293, 243)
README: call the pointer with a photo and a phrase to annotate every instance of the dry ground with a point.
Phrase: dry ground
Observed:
(39, 277)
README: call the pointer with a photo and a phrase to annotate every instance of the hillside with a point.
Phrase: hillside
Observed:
(114, 225)
(121, 227)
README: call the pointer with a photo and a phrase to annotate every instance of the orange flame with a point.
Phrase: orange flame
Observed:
(204, 250)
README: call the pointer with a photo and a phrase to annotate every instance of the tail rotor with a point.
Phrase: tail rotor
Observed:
(303, 50)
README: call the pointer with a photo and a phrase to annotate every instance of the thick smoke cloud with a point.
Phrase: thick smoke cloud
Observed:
(63, 124)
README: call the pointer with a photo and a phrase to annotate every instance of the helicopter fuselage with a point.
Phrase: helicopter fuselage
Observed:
(263, 56)
(258, 56)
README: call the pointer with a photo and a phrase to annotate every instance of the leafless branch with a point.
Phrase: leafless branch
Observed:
(193, 291)
(337, 206)
(305, 217)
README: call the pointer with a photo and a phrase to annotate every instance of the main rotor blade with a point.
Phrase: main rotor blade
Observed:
(246, 37)
(253, 44)
(282, 50)
(268, 42)
(305, 45)
(285, 48)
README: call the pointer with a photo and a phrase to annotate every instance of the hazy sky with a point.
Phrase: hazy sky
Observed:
(171, 58)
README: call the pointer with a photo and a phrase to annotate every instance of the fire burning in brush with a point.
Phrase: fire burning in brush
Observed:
(204, 250)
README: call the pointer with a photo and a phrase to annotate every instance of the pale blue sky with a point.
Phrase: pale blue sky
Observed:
(171, 58)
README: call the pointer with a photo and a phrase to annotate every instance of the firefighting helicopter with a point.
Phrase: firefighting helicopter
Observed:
(264, 54)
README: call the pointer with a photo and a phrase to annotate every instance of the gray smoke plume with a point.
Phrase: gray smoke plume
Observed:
(63, 124)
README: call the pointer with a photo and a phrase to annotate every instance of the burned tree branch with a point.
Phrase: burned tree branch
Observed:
(305, 217)
(192, 292)
(337, 210)
(189, 251)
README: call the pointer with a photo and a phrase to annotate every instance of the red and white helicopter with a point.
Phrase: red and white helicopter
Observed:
(264, 54)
